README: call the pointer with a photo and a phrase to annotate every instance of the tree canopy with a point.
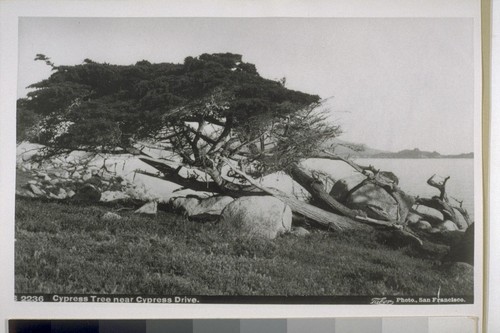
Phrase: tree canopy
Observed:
(208, 107)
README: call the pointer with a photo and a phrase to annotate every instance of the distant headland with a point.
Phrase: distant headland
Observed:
(354, 150)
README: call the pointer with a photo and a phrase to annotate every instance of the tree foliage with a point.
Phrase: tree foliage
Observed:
(206, 108)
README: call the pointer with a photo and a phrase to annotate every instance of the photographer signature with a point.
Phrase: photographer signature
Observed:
(381, 300)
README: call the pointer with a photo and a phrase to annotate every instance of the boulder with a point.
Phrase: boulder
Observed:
(192, 205)
(108, 196)
(258, 216)
(429, 213)
(413, 218)
(423, 225)
(375, 201)
(151, 208)
(447, 226)
(300, 232)
(36, 190)
(25, 193)
(366, 196)
(87, 193)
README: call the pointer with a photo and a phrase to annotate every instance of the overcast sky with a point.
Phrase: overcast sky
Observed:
(396, 83)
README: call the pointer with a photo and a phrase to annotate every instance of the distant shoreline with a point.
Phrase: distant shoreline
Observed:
(356, 150)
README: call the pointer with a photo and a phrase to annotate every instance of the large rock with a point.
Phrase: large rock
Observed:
(373, 200)
(35, 189)
(192, 206)
(423, 225)
(300, 232)
(447, 226)
(432, 215)
(413, 218)
(358, 194)
(25, 193)
(259, 216)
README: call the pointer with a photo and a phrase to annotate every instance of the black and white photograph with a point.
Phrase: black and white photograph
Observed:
(257, 160)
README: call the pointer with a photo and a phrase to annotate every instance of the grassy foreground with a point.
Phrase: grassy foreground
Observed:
(67, 248)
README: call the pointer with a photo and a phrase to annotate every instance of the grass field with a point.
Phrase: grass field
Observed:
(68, 248)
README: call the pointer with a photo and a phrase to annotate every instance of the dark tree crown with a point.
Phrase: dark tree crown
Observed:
(104, 107)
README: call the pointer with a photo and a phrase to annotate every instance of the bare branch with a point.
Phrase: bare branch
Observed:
(441, 186)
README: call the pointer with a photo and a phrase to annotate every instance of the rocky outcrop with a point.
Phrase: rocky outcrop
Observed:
(59, 177)
(258, 216)
(357, 194)
(83, 185)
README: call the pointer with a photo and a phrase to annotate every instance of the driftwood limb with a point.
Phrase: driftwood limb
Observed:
(442, 206)
(321, 216)
(334, 157)
(441, 186)
(222, 186)
(316, 189)
(442, 203)
(386, 180)
(463, 211)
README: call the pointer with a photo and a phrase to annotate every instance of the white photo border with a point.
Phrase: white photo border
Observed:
(10, 11)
